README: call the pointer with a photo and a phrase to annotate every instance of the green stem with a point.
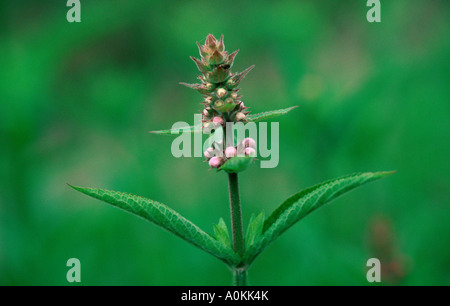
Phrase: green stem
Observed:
(240, 277)
(236, 217)
(239, 273)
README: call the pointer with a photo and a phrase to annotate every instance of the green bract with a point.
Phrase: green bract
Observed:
(237, 164)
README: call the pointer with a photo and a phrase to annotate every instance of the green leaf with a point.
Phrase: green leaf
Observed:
(303, 203)
(237, 164)
(165, 217)
(269, 114)
(188, 129)
(221, 233)
(250, 118)
(254, 230)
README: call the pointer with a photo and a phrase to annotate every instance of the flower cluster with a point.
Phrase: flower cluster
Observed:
(216, 156)
(219, 87)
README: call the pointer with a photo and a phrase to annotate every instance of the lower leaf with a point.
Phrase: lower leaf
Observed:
(165, 217)
(303, 203)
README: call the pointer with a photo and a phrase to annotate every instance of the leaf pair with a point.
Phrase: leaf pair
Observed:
(260, 232)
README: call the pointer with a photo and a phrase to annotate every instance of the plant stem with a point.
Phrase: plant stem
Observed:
(240, 277)
(236, 217)
(239, 273)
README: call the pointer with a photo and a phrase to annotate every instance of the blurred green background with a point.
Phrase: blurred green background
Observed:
(77, 102)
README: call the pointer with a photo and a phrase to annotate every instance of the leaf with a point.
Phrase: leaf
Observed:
(303, 203)
(254, 230)
(250, 118)
(269, 114)
(237, 164)
(188, 129)
(221, 233)
(165, 217)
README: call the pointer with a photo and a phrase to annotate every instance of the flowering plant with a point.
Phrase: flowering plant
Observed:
(223, 108)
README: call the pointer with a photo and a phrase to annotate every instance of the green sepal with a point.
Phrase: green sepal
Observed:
(237, 164)
(227, 107)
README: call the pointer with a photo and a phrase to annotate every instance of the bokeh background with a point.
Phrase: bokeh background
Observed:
(77, 102)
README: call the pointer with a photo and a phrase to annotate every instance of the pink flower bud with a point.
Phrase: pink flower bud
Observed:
(218, 120)
(249, 143)
(230, 152)
(209, 153)
(250, 152)
(215, 162)
(240, 116)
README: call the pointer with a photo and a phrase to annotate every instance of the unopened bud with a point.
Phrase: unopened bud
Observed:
(230, 152)
(250, 152)
(208, 153)
(218, 120)
(249, 143)
(230, 83)
(229, 101)
(240, 116)
(221, 92)
(208, 85)
(215, 162)
(218, 103)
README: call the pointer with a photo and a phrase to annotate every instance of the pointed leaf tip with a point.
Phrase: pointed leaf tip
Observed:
(303, 203)
(269, 114)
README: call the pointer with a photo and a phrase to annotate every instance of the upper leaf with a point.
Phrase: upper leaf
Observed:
(165, 217)
(250, 118)
(269, 114)
(188, 129)
(303, 203)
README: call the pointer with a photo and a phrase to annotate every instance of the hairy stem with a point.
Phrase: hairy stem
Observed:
(236, 216)
(240, 277)
(239, 273)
